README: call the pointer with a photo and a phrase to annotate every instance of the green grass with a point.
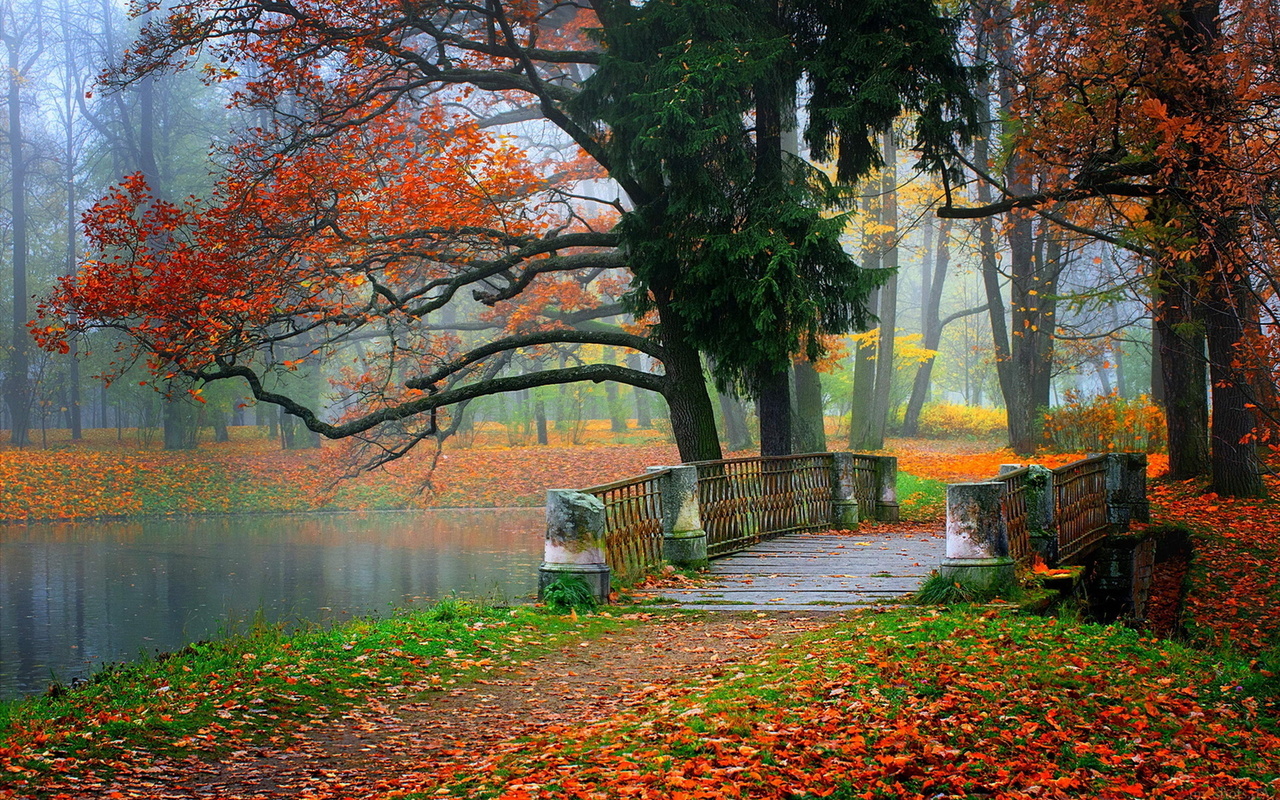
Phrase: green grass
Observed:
(261, 686)
(921, 498)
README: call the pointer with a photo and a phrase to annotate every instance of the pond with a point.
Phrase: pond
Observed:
(74, 596)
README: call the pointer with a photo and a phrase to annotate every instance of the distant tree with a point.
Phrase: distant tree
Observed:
(22, 37)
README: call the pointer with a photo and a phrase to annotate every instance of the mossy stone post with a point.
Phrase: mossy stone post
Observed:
(575, 542)
(844, 498)
(1042, 525)
(886, 488)
(1126, 480)
(684, 542)
(977, 538)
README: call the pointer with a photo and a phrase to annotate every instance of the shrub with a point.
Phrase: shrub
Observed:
(955, 421)
(569, 593)
(1105, 423)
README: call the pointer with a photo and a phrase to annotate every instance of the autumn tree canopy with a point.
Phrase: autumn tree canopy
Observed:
(1152, 125)
(367, 202)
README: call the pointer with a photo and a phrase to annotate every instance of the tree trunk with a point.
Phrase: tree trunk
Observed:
(540, 420)
(644, 420)
(693, 421)
(888, 307)
(736, 431)
(931, 327)
(1236, 468)
(774, 402)
(1182, 364)
(16, 388)
(860, 431)
(809, 424)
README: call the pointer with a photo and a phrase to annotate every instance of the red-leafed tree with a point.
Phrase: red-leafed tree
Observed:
(1153, 125)
(363, 210)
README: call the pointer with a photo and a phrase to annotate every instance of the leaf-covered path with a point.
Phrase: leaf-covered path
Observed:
(402, 739)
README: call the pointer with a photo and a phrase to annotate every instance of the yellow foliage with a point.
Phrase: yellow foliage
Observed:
(955, 421)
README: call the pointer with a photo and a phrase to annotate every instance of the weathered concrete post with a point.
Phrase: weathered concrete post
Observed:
(575, 541)
(684, 542)
(1126, 480)
(1135, 480)
(977, 538)
(844, 499)
(1042, 525)
(886, 488)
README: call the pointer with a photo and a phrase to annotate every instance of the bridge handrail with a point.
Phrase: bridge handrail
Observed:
(633, 522)
(1013, 505)
(743, 501)
(1080, 506)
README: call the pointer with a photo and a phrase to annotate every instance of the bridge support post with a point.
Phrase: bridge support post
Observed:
(844, 498)
(1126, 480)
(886, 488)
(575, 542)
(1042, 526)
(684, 542)
(977, 537)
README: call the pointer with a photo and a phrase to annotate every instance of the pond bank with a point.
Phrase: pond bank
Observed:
(517, 703)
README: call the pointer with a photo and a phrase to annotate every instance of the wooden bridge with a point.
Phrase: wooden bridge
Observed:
(784, 531)
(809, 571)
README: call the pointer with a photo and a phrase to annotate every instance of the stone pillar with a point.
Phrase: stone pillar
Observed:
(1127, 489)
(886, 488)
(684, 542)
(977, 539)
(844, 499)
(1005, 469)
(1041, 523)
(1135, 470)
(575, 541)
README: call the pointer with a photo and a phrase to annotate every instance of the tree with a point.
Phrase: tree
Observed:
(724, 236)
(1161, 109)
(22, 37)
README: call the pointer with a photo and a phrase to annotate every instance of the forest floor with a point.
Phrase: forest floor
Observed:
(127, 474)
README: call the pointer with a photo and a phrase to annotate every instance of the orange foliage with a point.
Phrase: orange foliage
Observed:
(1106, 423)
(957, 462)
(102, 478)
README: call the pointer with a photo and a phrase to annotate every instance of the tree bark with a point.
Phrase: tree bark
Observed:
(737, 433)
(693, 420)
(809, 424)
(932, 329)
(16, 387)
(888, 307)
(1182, 365)
(1236, 468)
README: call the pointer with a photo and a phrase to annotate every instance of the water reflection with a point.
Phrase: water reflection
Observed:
(76, 595)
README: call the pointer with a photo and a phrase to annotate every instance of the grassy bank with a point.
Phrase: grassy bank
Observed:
(266, 687)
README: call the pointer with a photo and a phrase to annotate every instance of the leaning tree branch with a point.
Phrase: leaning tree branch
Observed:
(596, 373)
(609, 338)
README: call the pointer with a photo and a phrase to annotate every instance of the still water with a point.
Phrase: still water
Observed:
(74, 596)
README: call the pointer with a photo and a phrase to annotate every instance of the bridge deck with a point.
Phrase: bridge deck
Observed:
(809, 571)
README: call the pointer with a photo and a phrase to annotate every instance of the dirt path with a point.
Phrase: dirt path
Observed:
(399, 741)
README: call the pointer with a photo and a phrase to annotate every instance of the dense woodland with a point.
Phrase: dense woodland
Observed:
(384, 222)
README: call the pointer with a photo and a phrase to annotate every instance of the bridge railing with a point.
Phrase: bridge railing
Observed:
(633, 522)
(1061, 515)
(1080, 506)
(689, 513)
(743, 501)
